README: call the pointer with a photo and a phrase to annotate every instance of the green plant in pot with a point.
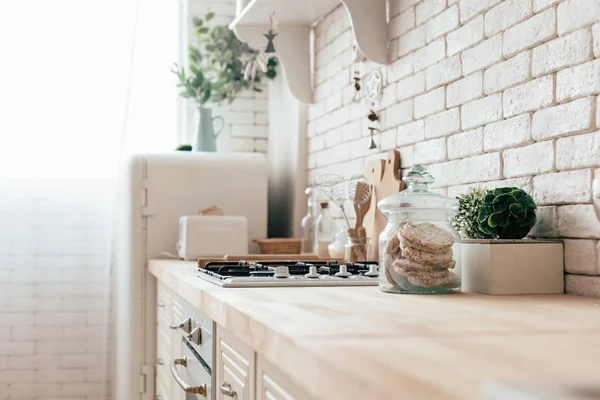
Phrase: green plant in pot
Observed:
(502, 213)
(215, 75)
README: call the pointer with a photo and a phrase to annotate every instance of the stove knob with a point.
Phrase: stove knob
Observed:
(196, 336)
(373, 271)
(312, 273)
(186, 325)
(282, 272)
(343, 272)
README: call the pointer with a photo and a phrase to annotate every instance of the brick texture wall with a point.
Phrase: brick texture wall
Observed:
(485, 93)
(53, 283)
(246, 119)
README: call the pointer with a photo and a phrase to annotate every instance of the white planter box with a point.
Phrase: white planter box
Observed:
(512, 266)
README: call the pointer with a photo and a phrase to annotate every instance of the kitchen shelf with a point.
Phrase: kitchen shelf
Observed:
(295, 18)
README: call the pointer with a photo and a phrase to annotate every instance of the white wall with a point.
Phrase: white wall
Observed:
(490, 93)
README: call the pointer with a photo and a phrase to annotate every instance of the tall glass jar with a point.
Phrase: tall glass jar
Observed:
(419, 251)
(324, 231)
(308, 226)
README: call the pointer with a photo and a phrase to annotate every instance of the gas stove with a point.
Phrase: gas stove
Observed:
(289, 273)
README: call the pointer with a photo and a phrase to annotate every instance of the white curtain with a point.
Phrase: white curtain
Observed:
(82, 83)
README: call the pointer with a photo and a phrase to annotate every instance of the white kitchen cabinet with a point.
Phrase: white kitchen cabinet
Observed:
(272, 384)
(235, 368)
(168, 342)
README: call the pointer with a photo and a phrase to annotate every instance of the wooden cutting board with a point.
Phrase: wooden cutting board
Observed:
(387, 184)
(373, 172)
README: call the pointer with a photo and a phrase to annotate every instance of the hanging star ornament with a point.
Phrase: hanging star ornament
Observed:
(270, 36)
(374, 84)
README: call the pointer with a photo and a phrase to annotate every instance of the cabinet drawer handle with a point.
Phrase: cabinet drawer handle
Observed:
(160, 361)
(201, 390)
(161, 305)
(227, 390)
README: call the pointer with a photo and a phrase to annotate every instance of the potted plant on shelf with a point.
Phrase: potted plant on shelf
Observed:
(496, 259)
(220, 68)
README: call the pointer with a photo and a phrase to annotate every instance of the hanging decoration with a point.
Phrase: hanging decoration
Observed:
(372, 144)
(357, 61)
(271, 35)
(261, 58)
(373, 117)
(374, 83)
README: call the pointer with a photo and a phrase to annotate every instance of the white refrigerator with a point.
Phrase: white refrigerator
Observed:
(154, 191)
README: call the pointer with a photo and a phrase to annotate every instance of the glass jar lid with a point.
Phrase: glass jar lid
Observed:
(418, 196)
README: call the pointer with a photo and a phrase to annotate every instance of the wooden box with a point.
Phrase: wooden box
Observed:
(523, 266)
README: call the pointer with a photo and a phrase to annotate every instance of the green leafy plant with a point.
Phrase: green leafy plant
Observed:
(216, 66)
(465, 221)
(506, 213)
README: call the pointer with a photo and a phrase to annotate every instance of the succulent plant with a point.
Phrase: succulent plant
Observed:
(465, 221)
(506, 213)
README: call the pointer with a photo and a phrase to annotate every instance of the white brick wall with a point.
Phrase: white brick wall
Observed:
(505, 15)
(528, 160)
(52, 295)
(529, 96)
(465, 144)
(563, 187)
(443, 72)
(578, 81)
(573, 14)
(507, 133)
(466, 36)
(574, 117)
(505, 94)
(508, 73)
(442, 124)
(430, 151)
(596, 39)
(411, 86)
(442, 24)
(562, 52)
(465, 90)
(470, 8)
(530, 33)
(482, 55)
(480, 112)
(430, 103)
(581, 257)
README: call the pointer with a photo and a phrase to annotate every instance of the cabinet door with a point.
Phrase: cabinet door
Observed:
(176, 350)
(163, 342)
(235, 368)
(272, 384)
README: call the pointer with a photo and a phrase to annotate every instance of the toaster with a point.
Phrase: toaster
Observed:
(212, 236)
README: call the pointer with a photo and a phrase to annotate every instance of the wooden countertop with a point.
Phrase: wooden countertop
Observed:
(360, 343)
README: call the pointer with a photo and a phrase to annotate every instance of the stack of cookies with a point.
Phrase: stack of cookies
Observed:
(420, 254)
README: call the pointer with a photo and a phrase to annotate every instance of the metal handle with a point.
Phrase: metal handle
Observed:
(159, 397)
(201, 390)
(160, 361)
(161, 304)
(227, 390)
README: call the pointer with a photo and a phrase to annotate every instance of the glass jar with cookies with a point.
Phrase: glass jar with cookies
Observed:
(419, 249)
